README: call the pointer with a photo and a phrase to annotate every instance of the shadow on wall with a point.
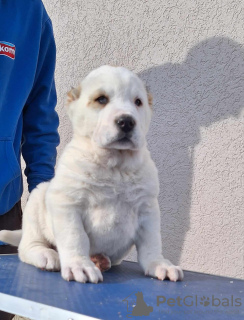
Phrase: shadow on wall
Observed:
(206, 88)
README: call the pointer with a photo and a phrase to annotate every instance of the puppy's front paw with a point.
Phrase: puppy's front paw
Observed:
(163, 269)
(81, 269)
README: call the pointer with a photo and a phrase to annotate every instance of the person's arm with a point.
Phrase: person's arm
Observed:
(40, 120)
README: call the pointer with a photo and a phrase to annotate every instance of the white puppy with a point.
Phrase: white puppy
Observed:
(103, 198)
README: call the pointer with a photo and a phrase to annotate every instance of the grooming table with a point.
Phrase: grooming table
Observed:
(125, 293)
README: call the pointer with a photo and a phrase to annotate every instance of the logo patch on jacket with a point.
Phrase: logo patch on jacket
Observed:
(7, 49)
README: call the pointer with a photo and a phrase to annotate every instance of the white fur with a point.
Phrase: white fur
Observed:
(103, 198)
(11, 237)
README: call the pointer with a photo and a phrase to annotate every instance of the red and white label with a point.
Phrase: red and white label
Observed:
(7, 49)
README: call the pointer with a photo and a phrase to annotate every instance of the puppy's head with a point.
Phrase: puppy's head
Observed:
(112, 107)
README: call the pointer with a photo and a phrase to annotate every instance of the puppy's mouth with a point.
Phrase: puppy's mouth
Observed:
(124, 139)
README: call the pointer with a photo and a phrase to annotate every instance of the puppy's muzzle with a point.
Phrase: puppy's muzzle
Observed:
(125, 123)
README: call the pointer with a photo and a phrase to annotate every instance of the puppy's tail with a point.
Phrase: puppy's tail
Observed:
(11, 237)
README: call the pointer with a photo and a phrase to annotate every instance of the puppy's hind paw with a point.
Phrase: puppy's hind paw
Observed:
(42, 258)
(101, 261)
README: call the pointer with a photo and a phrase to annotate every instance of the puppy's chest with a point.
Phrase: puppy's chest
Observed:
(112, 188)
(114, 205)
(109, 218)
(111, 228)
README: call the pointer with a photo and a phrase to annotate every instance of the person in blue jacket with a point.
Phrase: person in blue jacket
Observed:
(28, 120)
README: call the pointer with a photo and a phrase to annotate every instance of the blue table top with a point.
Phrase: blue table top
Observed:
(198, 296)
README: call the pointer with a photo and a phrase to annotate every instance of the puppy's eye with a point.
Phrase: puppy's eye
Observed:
(138, 102)
(102, 100)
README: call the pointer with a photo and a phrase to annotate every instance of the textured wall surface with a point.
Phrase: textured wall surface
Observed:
(191, 55)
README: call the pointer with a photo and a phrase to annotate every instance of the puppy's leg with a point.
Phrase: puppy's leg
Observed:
(40, 256)
(34, 248)
(148, 244)
(71, 240)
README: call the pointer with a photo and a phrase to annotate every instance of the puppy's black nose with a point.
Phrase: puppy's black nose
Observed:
(125, 123)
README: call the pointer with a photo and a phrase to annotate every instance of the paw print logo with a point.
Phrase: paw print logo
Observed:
(205, 301)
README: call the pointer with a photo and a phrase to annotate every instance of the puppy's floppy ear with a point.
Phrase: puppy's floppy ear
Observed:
(149, 98)
(73, 95)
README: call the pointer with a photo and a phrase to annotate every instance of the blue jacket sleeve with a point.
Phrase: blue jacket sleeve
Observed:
(40, 120)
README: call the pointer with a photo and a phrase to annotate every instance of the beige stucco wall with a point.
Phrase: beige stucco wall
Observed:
(191, 56)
